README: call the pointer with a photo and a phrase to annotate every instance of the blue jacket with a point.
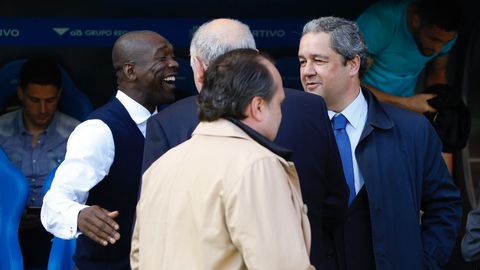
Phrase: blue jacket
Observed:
(399, 156)
(305, 129)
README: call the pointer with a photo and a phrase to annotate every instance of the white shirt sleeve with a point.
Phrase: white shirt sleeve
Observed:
(90, 153)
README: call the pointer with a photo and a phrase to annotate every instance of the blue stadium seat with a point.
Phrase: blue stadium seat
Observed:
(61, 254)
(289, 69)
(13, 198)
(73, 101)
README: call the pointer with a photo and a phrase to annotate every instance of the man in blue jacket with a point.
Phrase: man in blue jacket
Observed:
(391, 159)
(305, 129)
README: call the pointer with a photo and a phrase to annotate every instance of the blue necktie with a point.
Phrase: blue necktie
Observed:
(339, 123)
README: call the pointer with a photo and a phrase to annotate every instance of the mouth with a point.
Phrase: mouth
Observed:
(170, 79)
(310, 86)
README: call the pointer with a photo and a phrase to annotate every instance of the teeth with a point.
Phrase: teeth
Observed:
(169, 79)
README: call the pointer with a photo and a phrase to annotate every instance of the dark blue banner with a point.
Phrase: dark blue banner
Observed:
(102, 32)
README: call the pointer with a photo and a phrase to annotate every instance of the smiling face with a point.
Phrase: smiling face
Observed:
(156, 71)
(325, 72)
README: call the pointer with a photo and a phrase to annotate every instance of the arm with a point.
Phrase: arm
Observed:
(471, 239)
(441, 202)
(436, 71)
(156, 143)
(90, 153)
(262, 220)
(135, 248)
(417, 103)
(335, 203)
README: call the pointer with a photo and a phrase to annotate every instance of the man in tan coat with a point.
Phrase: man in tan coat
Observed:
(227, 198)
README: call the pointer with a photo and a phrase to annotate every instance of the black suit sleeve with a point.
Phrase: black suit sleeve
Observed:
(156, 143)
(336, 190)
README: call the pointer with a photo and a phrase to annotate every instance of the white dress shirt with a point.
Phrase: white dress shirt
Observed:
(356, 114)
(90, 153)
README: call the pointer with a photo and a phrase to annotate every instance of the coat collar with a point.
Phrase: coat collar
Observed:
(235, 128)
(376, 117)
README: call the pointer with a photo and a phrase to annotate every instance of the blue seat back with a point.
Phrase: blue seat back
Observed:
(13, 198)
(72, 102)
(61, 254)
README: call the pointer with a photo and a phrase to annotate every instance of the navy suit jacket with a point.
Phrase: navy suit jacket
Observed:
(305, 129)
(399, 157)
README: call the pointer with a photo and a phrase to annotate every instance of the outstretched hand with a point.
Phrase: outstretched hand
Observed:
(418, 103)
(99, 225)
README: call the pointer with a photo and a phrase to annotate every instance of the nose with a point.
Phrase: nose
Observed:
(307, 69)
(172, 63)
(43, 107)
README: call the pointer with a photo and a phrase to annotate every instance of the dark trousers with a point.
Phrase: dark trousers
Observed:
(35, 241)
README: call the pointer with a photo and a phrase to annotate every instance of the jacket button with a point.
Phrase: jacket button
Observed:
(330, 254)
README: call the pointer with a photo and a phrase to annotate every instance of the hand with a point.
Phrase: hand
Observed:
(418, 103)
(98, 224)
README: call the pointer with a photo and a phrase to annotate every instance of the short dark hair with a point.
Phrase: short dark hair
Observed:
(231, 82)
(445, 14)
(40, 70)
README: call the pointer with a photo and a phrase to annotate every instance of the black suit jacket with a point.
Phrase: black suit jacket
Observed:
(305, 129)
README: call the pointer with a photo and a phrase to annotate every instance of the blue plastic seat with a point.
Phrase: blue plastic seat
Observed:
(72, 102)
(61, 254)
(13, 198)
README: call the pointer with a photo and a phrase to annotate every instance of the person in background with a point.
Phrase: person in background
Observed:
(471, 239)
(95, 190)
(391, 159)
(34, 138)
(305, 129)
(227, 198)
(404, 39)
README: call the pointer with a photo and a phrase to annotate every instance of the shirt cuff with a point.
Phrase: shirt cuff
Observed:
(71, 229)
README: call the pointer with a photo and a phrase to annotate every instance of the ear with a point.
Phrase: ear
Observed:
(256, 109)
(414, 18)
(354, 65)
(199, 71)
(60, 90)
(129, 71)
(20, 93)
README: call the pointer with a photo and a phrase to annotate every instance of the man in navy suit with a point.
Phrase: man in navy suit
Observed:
(395, 160)
(305, 129)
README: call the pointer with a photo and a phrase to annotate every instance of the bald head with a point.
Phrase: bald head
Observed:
(132, 46)
(219, 36)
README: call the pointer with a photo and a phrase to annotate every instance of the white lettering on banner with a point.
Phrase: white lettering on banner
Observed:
(76, 33)
(118, 33)
(265, 33)
(98, 33)
(9, 32)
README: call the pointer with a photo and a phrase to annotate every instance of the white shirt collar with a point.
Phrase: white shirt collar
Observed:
(138, 113)
(351, 112)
